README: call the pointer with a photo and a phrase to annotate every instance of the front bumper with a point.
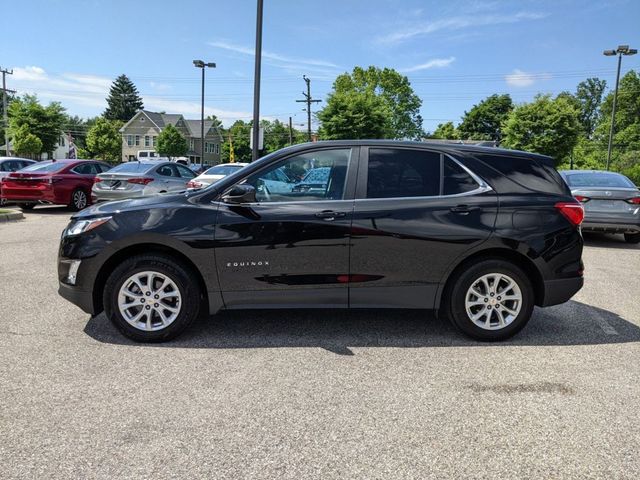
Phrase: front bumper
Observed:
(561, 290)
(78, 297)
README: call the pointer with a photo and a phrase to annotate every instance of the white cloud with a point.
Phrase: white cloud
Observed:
(457, 23)
(275, 58)
(518, 78)
(85, 95)
(435, 63)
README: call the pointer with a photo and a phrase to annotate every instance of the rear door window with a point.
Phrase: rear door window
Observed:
(185, 172)
(399, 172)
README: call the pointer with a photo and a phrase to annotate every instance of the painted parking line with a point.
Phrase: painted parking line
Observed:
(605, 326)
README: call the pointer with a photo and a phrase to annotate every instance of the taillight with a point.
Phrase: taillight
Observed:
(51, 180)
(140, 181)
(572, 211)
(633, 201)
(96, 180)
(193, 184)
(581, 198)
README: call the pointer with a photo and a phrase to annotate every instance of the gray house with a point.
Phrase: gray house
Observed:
(141, 133)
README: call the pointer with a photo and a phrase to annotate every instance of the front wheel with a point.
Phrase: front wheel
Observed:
(632, 237)
(151, 298)
(490, 300)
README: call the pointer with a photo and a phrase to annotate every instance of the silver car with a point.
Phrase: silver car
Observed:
(140, 179)
(611, 202)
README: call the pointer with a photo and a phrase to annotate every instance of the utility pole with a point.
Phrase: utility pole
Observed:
(620, 51)
(308, 100)
(290, 132)
(256, 83)
(4, 106)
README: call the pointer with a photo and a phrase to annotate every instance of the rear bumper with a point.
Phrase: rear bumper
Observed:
(561, 290)
(43, 194)
(591, 225)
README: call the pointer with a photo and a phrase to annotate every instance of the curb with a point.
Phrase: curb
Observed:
(13, 215)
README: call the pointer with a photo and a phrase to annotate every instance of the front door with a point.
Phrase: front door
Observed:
(290, 247)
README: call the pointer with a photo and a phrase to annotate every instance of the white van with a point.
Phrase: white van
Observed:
(150, 155)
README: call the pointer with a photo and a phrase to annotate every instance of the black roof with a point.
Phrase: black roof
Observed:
(443, 147)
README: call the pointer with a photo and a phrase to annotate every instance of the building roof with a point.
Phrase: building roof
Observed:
(161, 120)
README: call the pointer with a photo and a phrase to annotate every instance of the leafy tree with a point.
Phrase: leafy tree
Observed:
(171, 142)
(104, 140)
(216, 122)
(547, 126)
(78, 128)
(239, 134)
(484, 120)
(44, 122)
(356, 115)
(376, 90)
(589, 95)
(26, 143)
(276, 135)
(446, 131)
(10, 98)
(123, 100)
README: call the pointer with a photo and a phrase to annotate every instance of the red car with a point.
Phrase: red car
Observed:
(59, 182)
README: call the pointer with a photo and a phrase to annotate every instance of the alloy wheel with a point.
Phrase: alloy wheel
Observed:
(149, 301)
(493, 301)
(79, 199)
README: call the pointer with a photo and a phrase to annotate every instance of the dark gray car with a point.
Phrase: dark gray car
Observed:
(611, 202)
(141, 179)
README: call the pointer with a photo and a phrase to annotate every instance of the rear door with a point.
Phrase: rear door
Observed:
(416, 211)
(289, 248)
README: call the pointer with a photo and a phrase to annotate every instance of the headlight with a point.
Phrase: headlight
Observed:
(82, 226)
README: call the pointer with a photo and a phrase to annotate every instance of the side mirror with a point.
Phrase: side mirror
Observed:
(240, 194)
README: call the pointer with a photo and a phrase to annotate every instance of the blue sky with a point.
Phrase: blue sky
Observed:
(454, 52)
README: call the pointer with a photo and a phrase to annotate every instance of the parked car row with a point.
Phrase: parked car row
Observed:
(610, 200)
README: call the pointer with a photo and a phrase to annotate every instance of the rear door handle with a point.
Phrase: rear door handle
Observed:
(330, 215)
(464, 209)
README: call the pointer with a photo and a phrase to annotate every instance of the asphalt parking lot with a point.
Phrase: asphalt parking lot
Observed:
(316, 394)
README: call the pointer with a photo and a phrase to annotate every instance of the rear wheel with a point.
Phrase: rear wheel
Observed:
(79, 199)
(151, 298)
(490, 300)
(632, 237)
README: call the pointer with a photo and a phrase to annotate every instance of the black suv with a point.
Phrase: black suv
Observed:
(479, 234)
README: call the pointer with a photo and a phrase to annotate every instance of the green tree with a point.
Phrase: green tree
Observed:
(171, 142)
(216, 122)
(484, 120)
(26, 143)
(123, 100)
(355, 115)
(547, 126)
(276, 135)
(589, 95)
(44, 122)
(10, 98)
(379, 89)
(446, 131)
(238, 134)
(104, 140)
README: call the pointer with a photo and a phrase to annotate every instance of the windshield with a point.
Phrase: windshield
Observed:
(222, 170)
(132, 167)
(317, 175)
(45, 167)
(597, 179)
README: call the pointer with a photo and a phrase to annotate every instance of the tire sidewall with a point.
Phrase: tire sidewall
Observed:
(189, 293)
(457, 309)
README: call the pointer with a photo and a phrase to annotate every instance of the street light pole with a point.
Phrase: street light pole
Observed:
(256, 83)
(620, 51)
(202, 65)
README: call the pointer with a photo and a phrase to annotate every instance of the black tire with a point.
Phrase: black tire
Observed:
(28, 206)
(177, 272)
(632, 237)
(456, 296)
(79, 200)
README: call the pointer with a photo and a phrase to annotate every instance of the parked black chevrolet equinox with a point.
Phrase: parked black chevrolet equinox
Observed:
(479, 234)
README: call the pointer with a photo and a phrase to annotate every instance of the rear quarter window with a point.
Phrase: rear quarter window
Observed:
(536, 174)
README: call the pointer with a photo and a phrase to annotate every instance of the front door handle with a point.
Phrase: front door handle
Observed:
(330, 215)
(464, 209)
